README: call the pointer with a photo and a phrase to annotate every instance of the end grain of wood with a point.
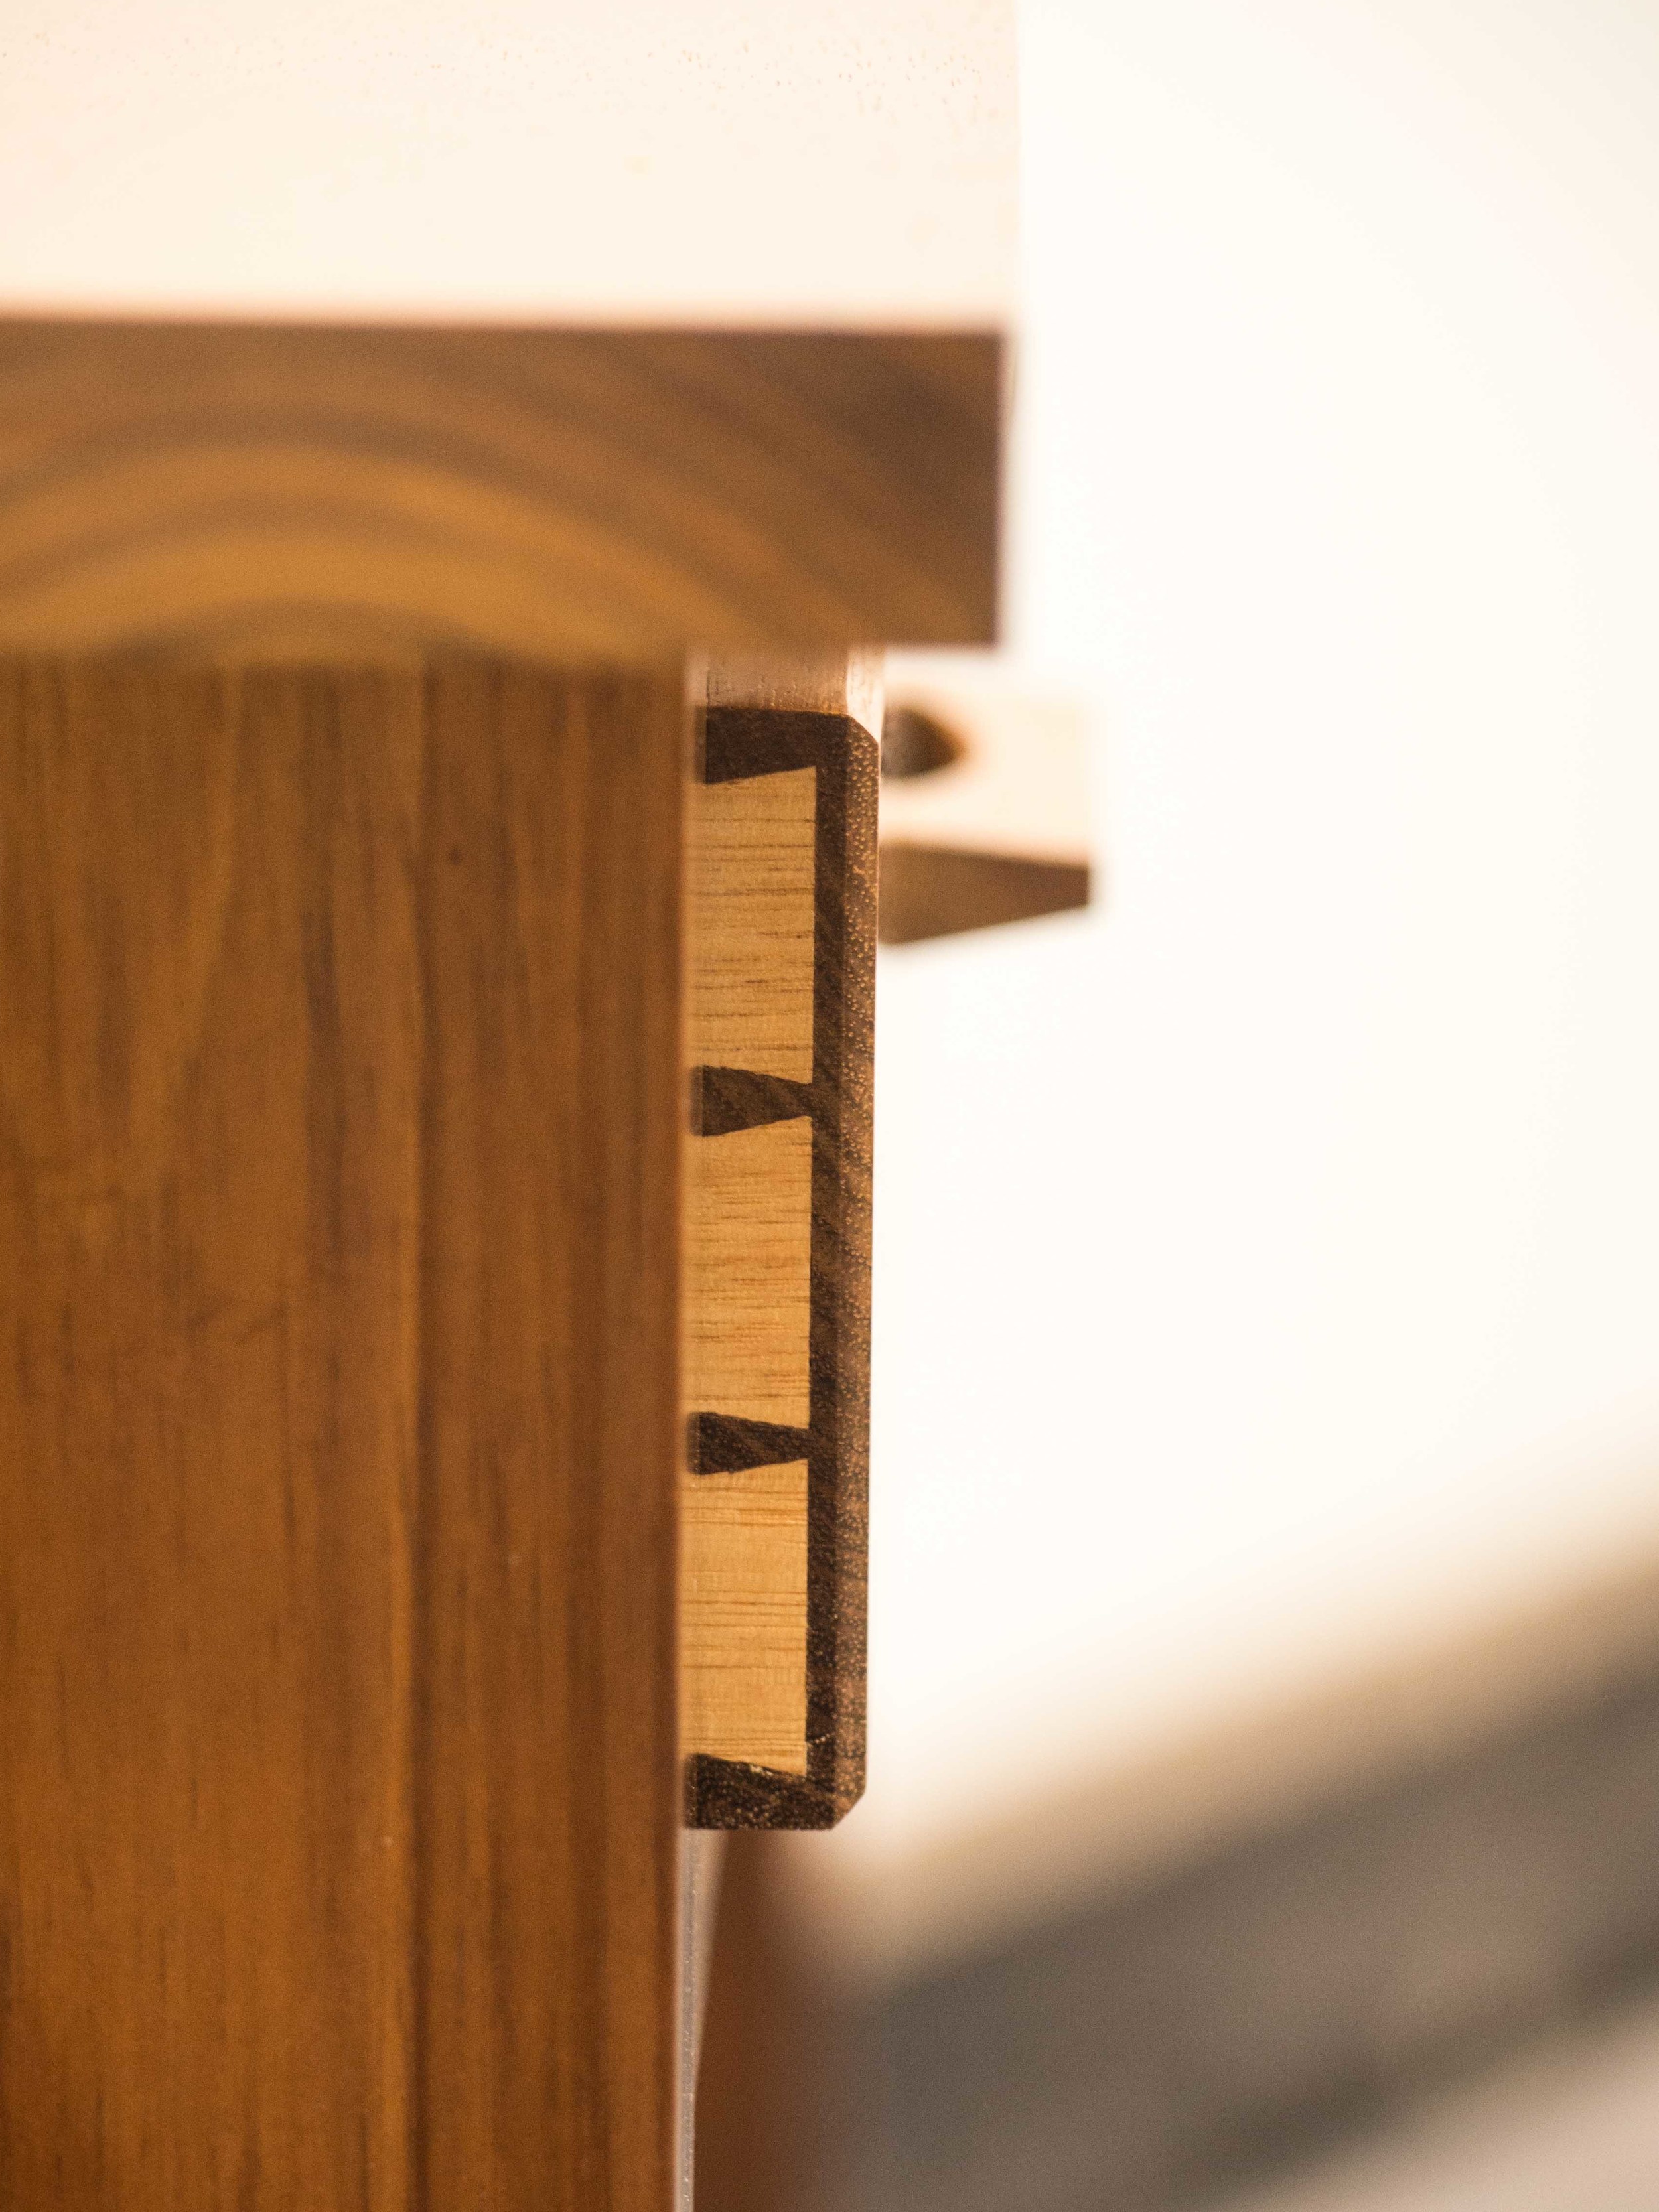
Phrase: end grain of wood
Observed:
(748, 1272)
(750, 923)
(743, 1635)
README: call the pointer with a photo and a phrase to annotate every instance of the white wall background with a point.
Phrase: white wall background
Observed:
(1268, 1262)
(580, 161)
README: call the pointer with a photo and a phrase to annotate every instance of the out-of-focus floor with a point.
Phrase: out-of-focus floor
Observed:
(1572, 2128)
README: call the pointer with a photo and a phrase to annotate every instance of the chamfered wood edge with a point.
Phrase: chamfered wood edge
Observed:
(337, 492)
(739, 743)
(942, 891)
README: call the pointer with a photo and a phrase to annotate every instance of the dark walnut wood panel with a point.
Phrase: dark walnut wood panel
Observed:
(781, 920)
(340, 1101)
(337, 493)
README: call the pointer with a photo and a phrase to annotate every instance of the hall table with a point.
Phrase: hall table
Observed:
(457, 469)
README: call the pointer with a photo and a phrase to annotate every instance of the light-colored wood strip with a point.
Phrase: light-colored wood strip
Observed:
(748, 1272)
(767, 720)
(743, 1625)
(751, 884)
(838, 683)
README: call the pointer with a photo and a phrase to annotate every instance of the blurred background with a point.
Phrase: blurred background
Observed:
(1264, 1798)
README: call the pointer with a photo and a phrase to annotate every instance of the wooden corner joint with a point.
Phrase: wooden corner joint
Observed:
(781, 912)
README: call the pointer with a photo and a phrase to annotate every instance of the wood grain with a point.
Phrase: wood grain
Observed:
(749, 916)
(340, 495)
(547, 1724)
(749, 1274)
(806, 1134)
(839, 680)
(209, 1277)
(743, 1635)
(339, 1070)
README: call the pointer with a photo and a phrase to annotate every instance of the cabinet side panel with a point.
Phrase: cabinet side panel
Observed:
(209, 1070)
(546, 1723)
(340, 1105)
